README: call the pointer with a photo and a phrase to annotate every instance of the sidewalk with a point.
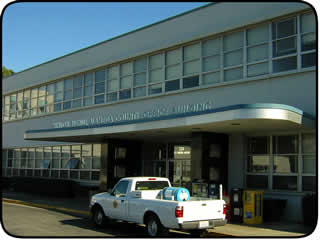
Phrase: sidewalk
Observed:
(80, 206)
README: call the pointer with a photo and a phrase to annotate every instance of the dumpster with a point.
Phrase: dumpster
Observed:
(252, 206)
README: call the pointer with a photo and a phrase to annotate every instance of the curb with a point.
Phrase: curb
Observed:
(87, 213)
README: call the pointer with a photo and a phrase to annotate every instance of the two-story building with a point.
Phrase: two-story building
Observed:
(225, 93)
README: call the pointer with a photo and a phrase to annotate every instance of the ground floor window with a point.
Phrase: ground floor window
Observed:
(78, 162)
(282, 162)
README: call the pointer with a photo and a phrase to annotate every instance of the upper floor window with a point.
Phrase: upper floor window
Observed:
(308, 40)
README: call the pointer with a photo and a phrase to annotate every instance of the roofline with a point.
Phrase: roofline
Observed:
(113, 38)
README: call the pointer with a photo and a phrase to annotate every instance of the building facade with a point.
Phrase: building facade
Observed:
(210, 94)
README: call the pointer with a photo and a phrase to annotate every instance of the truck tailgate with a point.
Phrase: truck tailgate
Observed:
(203, 210)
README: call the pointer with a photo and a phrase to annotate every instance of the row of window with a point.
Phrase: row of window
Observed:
(273, 47)
(282, 162)
(84, 175)
(86, 156)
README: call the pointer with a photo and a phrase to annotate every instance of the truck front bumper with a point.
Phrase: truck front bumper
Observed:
(196, 224)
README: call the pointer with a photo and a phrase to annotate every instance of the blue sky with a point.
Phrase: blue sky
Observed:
(34, 33)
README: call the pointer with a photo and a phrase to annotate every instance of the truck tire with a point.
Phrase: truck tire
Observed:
(154, 226)
(199, 233)
(98, 217)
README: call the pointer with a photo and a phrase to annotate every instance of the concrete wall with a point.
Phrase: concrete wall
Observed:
(236, 164)
(293, 210)
(213, 19)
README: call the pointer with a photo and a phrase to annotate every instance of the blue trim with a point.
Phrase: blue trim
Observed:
(181, 115)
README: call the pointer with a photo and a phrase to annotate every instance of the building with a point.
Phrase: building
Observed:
(215, 94)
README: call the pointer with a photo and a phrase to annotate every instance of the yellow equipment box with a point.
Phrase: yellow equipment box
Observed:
(252, 206)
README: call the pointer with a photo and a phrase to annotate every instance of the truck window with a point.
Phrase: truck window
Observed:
(151, 185)
(120, 189)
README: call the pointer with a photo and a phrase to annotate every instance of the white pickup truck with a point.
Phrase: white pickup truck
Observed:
(139, 200)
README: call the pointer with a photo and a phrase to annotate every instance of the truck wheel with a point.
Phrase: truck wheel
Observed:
(98, 216)
(154, 227)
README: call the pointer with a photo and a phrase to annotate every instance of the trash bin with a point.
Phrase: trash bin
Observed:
(252, 206)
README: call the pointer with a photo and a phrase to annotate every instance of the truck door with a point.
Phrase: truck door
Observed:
(117, 204)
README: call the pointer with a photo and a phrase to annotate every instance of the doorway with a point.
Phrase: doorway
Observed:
(173, 161)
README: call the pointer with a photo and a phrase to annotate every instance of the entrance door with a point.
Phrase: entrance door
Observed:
(181, 165)
(174, 162)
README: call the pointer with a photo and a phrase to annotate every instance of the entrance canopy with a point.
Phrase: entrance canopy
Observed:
(241, 118)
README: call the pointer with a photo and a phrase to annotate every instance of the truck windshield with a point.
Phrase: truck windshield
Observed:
(151, 185)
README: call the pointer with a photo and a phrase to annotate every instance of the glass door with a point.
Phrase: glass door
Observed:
(159, 163)
(174, 162)
(181, 164)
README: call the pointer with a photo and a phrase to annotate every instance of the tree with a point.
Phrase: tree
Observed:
(6, 72)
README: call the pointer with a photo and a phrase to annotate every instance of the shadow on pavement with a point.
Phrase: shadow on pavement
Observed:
(118, 229)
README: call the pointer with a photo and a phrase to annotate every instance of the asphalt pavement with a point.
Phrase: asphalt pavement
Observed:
(79, 206)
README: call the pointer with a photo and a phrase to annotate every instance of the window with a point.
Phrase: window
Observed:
(120, 190)
(151, 185)
(58, 96)
(13, 106)
(232, 47)
(233, 56)
(86, 156)
(257, 50)
(77, 91)
(34, 101)
(99, 88)
(155, 89)
(65, 156)
(140, 76)
(281, 166)
(31, 159)
(73, 163)
(173, 69)
(258, 158)
(88, 89)
(191, 59)
(67, 94)
(38, 157)
(47, 157)
(309, 160)
(10, 158)
(211, 61)
(7, 108)
(96, 156)
(172, 85)
(308, 153)
(191, 82)
(284, 43)
(113, 84)
(126, 71)
(19, 104)
(50, 97)
(42, 100)
(156, 64)
(308, 40)
(56, 157)
(156, 73)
